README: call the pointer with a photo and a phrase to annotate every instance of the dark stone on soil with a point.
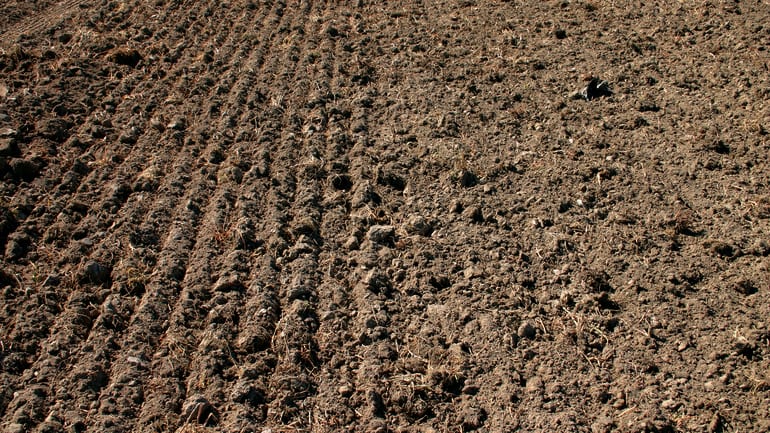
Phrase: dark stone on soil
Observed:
(96, 272)
(53, 129)
(560, 34)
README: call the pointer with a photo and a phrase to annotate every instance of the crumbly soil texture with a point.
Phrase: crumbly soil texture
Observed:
(369, 216)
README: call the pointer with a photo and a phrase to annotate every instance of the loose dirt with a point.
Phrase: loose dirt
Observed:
(268, 216)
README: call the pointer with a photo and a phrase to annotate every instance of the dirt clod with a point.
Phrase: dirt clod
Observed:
(526, 330)
(55, 129)
(381, 234)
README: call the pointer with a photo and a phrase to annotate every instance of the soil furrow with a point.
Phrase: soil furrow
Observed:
(227, 276)
(40, 20)
(384, 216)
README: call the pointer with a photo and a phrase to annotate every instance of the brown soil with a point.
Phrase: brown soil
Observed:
(269, 216)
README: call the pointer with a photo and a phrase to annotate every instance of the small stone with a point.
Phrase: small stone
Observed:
(526, 330)
(381, 234)
(418, 225)
(96, 272)
(228, 283)
(456, 206)
(716, 423)
(230, 174)
(8, 133)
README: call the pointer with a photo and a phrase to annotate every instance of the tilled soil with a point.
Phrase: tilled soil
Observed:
(268, 216)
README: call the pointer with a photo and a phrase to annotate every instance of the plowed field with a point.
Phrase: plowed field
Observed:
(276, 216)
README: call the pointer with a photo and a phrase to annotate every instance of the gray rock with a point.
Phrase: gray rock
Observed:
(381, 234)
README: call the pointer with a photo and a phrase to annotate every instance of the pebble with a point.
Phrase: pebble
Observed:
(157, 124)
(96, 272)
(473, 272)
(381, 234)
(419, 225)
